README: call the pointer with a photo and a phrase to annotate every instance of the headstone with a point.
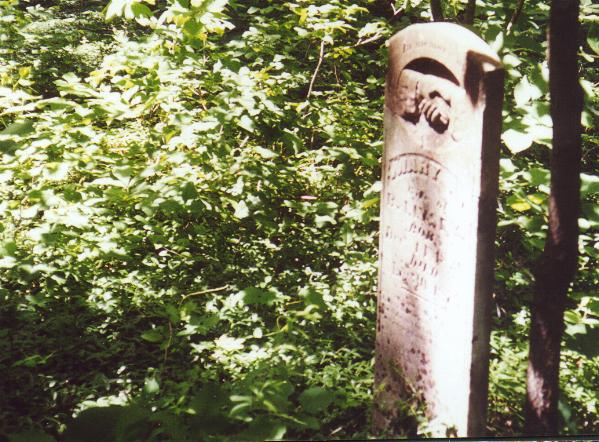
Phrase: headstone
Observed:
(443, 101)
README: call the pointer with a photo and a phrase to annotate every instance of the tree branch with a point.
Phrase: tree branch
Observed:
(558, 263)
(368, 40)
(202, 292)
(515, 16)
(320, 58)
(437, 10)
(400, 10)
(470, 11)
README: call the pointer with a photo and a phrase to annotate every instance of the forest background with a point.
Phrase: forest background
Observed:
(189, 198)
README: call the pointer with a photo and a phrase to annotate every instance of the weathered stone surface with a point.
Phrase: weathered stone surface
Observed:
(440, 168)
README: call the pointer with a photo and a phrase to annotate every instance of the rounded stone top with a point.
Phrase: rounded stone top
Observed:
(451, 45)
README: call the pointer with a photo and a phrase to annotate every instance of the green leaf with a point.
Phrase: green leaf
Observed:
(265, 153)
(312, 297)
(246, 123)
(584, 342)
(572, 317)
(516, 141)
(575, 329)
(152, 336)
(20, 128)
(209, 400)
(241, 210)
(520, 206)
(539, 176)
(141, 10)
(151, 386)
(107, 182)
(263, 428)
(506, 167)
(589, 184)
(189, 191)
(593, 38)
(115, 8)
(255, 295)
(229, 343)
(209, 5)
(192, 28)
(591, 213)
(525, 92)
(316, 399)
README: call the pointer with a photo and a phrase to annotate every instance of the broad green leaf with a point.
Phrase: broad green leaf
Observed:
(141, 10)
(209, 5)
(263, 428)
(520, 206)
(539, 176)
(589, 184)
(57, 172)
(108, 182)
(591, 213)
(516, 141)
(20, 128)
(316, 399)
(525, 92)
(229, 344)
(536, 198)
(152, 336)
(151, 385)
(210, 399)
(255, 295)
(507, 167)
(265, 153)
(572, 317)
(241, 210)
(246, 123)
(593, 38)
(189, 191)
(200, 324)
(115, 8)
(575, 329)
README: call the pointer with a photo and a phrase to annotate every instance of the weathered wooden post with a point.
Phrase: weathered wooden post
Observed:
(443, 103)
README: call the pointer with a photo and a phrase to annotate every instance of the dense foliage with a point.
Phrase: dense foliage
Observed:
(188, 216)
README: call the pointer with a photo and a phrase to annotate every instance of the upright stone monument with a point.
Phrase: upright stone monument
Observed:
(443, 101)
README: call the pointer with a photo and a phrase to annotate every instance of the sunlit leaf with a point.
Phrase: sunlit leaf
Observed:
(516, 141)
(520, 206)
(229, 344)
(241, 210)
(151, 385)
(246, 123)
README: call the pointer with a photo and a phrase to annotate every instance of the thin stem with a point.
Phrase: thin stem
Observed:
(470, 11)
(368, 40)
(437, 10)
(515, 17)
(320, 58)
(170, 341)
(203, 292)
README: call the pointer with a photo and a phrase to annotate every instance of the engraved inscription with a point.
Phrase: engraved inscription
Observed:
(417, 221)
(419, 227)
